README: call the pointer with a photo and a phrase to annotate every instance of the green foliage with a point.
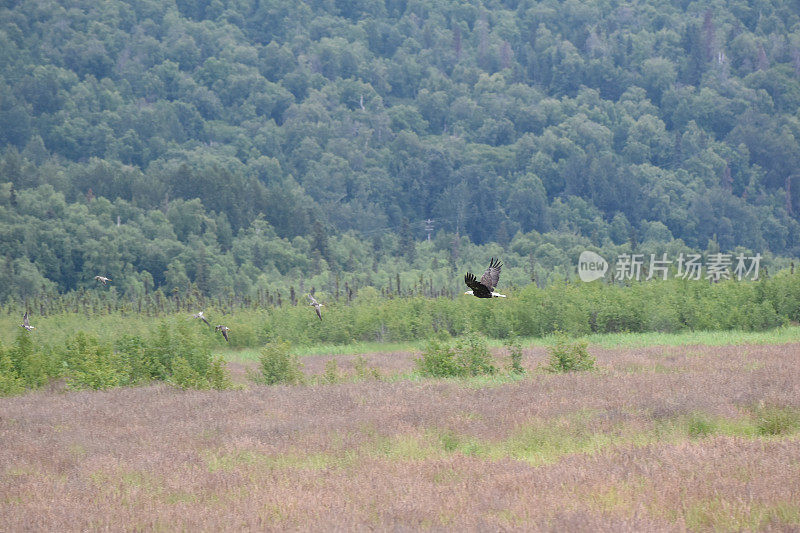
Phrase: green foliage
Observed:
(777, 421)
(277, 364)
(94, 345)
(331, 373)
(90, 364)
(363, 370)
(515, 356)
(10, 382)
(142, 363)
(186, 377)
(218, 376)
(173, 352)
(473, 356)
(32, 363)
(514, 129)
(700, 425)
(468, 356)
(569, 356)
(438, 360)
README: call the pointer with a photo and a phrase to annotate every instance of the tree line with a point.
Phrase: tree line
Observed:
(227, 144)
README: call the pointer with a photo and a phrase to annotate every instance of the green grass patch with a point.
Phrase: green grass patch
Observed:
(781, 335)
(724, 515)
(248, 459)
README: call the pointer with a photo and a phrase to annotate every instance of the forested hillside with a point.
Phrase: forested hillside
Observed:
(232, 145)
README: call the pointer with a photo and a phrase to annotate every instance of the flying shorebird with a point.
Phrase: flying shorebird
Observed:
(485, 287)
(103, 279)
(201, 317)
(224, 330)
(25, 324)
(316, 305)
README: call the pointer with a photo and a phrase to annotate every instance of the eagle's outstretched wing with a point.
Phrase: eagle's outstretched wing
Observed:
(492, 274)
(478, 289)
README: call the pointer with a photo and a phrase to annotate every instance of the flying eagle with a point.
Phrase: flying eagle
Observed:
(224, 330)
(103, 279)
(485, 287)
(25, 324)
(201, 317)
(316, 305)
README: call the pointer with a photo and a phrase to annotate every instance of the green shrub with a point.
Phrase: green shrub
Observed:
(139, 360)
(473, 355)
(10, 382)
(278, 365)
(218, 376)
(515, 354)
(181, 354)
(363, 370)
(193, 346)
(331, 373)
(90, 364)
(469, 356)
(567, 356)
(186, 377)
(34, 366)
(438, 360)
(700, 425)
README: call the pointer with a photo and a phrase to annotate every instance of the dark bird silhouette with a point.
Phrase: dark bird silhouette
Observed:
(485, 287)
(316, 305)
(224, 330)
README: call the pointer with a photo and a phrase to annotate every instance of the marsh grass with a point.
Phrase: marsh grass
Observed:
(712, 447)
(720, 514)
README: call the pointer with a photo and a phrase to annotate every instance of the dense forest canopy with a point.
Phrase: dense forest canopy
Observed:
(231, 144)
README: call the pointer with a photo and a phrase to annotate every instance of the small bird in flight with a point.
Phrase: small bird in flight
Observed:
(485, 287)
(199, 315)
(316, 305)
(103, 279)
(25, 324)
(224, 330)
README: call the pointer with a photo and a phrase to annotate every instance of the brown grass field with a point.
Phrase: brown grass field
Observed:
(659, 439)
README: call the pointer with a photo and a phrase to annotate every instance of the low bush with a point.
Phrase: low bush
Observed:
(331, 373)
(569, 356)
(186, 377)
(10, 382)
(473, 356)
(515, 355)
(469, 356)
(363, 370)
(88, 364)
(172, 353)
(277, 364)
(218, 376)
(438, 360)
